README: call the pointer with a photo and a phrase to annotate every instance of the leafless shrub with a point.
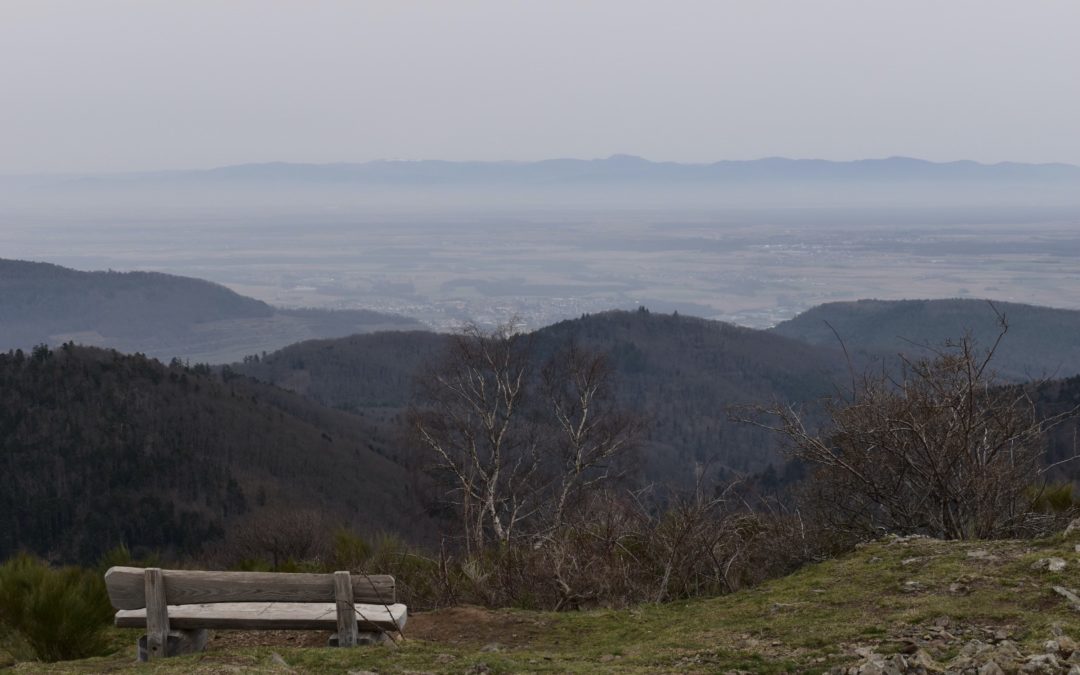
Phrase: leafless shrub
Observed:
(613, 551)
(941, 450)
(277, 537)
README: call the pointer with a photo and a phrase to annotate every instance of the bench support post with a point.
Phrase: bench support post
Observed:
(346, 610)
(157, 614)
(179, 642)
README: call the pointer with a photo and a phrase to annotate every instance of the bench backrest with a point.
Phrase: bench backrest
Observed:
(127, 586)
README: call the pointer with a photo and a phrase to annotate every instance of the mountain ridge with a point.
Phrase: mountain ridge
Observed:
(614, 167)
(1038, 343)
(162, 315)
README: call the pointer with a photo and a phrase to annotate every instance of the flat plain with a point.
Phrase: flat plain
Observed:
(753, 267)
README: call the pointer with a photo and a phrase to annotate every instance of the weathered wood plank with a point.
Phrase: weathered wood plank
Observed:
(346, 617)
(157, 615)
(183, 587)
(270, 615)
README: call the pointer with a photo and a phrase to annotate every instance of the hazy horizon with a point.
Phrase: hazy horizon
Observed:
(131, 86)
(707, 162)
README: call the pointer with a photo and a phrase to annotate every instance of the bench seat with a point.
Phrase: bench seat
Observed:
(270, 616)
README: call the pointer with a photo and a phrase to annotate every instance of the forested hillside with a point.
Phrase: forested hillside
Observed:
(1041, 341)
(687, 373)
(100, 449)
(160, 315)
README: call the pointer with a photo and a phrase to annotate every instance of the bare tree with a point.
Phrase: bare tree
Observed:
(940, 450)
(470, 412)
(519, 444)
(592, 431)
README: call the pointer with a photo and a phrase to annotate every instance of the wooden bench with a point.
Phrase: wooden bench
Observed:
(178, 606)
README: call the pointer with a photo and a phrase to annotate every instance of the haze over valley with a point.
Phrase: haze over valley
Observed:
(753, 243)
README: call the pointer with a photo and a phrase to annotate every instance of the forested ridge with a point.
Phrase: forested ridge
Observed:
(101, 449)
(1040, 343)
(686, 375)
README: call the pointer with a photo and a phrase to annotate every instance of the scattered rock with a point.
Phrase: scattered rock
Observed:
(975, 657)
(982, 554)
(1074, 600)
(1049, 564)
(911, 587)
(991, 668)
(491, 647)
(1073, 529)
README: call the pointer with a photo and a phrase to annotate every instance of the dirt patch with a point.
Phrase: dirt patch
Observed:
(456, 625)
(221, 640)
(475, 625)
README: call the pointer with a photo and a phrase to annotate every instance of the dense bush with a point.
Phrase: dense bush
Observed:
(54, 614)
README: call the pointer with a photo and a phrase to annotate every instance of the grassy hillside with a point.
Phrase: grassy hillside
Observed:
(941, 605)
(1041, 342)
(100, 449)
(686, 372)
(157, 314)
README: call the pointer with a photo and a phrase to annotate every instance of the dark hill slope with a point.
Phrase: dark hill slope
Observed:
(685, 371)
(99, 449)
(157, 314)
(1041, 342)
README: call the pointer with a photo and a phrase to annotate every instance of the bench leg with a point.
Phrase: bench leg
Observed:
(178, 642)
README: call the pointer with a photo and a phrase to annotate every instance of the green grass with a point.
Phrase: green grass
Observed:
(806, 622)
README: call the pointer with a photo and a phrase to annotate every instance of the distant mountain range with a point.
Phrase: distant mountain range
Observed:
(160, 315)
(614, 169)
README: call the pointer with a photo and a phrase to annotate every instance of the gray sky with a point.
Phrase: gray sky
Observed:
(128, 85)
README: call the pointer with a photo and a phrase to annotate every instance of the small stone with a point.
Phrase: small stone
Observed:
(1049, 564)
(921, 659)
(991, 668)
(491, 647)
(1073, 528)
(1000, 636)
(1043, 659)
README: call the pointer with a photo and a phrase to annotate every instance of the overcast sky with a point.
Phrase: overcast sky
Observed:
(115, 85)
